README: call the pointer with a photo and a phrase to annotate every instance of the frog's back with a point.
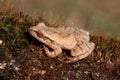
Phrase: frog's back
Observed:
(65, 41)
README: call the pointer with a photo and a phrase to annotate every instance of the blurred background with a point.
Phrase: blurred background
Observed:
(97, 16)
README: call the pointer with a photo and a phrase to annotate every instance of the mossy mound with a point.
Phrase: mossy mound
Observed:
(35, 65)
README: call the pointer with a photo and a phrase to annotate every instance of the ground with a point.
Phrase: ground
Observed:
(26, 59)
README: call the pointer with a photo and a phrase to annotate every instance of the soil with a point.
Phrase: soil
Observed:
(31, 63)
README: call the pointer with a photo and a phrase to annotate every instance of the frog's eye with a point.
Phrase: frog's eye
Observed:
(40, 33)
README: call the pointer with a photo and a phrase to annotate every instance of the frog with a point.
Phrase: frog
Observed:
(76, 40)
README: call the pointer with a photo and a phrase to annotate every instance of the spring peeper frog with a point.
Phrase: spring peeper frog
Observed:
(75, 40)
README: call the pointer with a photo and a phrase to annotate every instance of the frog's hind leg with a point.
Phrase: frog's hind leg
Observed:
(81, 56)
(82, 49)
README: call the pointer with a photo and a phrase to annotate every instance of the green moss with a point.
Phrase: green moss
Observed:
(13, 27)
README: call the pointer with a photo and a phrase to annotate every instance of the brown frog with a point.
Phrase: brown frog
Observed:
(76, 40)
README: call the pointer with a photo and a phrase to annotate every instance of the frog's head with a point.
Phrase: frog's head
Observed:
(38, 32)
(38, 29)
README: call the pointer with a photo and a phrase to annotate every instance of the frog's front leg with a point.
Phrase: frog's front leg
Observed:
(56, 49)
(81, 52)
